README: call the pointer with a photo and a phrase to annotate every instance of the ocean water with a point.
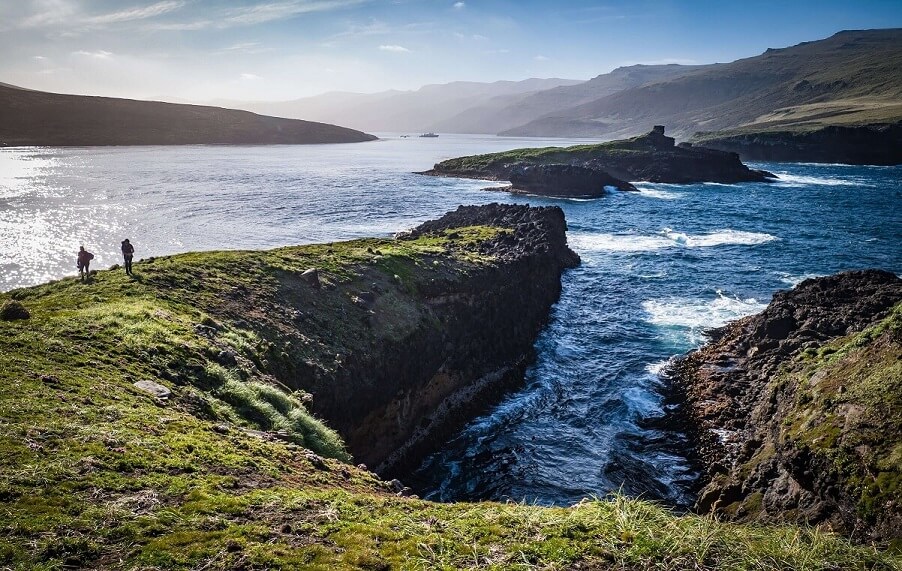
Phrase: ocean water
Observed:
(659, 268)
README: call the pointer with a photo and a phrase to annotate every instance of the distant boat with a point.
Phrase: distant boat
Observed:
(429, 135)
(404, 136)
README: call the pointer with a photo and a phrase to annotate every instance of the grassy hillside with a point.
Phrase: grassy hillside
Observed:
(851, 78)
(37, 118)
(230, 471)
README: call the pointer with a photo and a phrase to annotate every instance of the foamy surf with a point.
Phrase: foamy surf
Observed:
(793, 280)
(786, 179)
(688, 318)
(666, 238)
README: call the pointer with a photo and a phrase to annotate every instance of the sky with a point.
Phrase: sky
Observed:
(274, 50)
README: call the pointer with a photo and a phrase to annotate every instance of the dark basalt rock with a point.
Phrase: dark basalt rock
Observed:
(13, 310)
(879, 144)
(562, 180)
(653, 157)
(740, 408)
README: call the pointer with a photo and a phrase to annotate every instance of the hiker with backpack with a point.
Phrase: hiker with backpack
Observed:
(83, 263)
(128, 252)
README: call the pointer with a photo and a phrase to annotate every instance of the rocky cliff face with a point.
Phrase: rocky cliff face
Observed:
(859, 145)
(409, 338)
(653, 157)
(798, 408)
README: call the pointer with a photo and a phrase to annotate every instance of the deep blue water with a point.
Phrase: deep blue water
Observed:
(659, 267)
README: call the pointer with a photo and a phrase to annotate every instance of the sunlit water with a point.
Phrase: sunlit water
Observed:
(659, 267)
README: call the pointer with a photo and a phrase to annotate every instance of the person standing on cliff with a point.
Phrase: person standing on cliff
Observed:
(128, 252)
(83, 262)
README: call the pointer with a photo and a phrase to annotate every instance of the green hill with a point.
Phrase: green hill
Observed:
(850, 78)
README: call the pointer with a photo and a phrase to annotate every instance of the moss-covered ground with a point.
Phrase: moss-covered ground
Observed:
(231, 471)
(848, 408)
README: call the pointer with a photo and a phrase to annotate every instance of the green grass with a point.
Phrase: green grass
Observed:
(96, 473)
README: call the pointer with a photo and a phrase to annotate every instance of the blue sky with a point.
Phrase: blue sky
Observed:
(283, 49)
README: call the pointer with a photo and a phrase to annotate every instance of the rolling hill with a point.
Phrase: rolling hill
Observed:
(425, 109)
(38, 118)
(850, 78)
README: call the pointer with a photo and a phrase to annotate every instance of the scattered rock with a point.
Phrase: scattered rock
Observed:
(221, 428)
(311, 276)
(153, 388)
(317, 461)
(13, 310)
(395, 485)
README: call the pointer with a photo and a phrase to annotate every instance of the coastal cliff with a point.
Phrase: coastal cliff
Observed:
(163, 421)
(653, 157)
(878, 144)
(798, 408)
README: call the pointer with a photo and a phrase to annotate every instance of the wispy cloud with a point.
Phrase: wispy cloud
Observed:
(136, 13)
(541, 58)
(260, 14)
(394, 48)
(459, 5)
(99, 54)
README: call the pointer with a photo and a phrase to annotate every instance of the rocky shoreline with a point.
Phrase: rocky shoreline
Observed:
(878, 144)
(796, 410)
(585, 170)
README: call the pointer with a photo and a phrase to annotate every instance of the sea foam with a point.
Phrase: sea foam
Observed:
(690, 317)
(666, 238)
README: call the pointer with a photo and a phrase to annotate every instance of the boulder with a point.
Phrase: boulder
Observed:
(13, 310)
(153, 388)
(311, 276)
(563, 180)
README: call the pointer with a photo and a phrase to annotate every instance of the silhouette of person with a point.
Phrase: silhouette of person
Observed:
(84, 261)
(128, 252)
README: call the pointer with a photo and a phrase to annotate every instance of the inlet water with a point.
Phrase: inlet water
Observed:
(659, 267)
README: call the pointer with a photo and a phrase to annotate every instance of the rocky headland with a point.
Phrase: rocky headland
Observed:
(212, 412)
(29, 117)
(878, 144)
(653, 157)
(798, 408)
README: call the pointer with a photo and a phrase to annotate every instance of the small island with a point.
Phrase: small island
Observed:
(585, 170)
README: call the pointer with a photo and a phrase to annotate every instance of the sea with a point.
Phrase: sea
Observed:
(660, 267)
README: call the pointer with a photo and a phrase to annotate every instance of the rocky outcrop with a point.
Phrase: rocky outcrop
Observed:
(653, 157)
(797, 408)
(857, 145)
(434, 326)
(564, 181)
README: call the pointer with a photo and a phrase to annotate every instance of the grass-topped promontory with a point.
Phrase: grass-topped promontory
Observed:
(231, 471)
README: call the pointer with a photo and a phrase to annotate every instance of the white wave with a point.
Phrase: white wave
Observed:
(718, 238)
(656, 192)
(690, 317)
(656, 367)
(794, 280)
(786, 179)
(667, 238)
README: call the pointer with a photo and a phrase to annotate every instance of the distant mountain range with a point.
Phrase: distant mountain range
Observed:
(851, 78)
(30, 117)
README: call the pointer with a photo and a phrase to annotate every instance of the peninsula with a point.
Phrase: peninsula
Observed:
(30, 118)
(585, 170)
(213, 412)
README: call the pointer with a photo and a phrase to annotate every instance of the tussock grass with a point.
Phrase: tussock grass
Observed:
(95, 473)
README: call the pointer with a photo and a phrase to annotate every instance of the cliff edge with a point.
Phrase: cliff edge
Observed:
(798, 408)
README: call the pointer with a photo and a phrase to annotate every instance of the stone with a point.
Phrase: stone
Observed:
(317, 461)
(311, 276)
(13, 310)
(153, 388)
(563, 180)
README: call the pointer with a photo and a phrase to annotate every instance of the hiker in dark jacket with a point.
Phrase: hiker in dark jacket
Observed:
(128, 252)
(84, 261)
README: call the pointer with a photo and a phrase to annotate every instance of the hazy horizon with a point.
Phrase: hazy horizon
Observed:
(275, 50)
